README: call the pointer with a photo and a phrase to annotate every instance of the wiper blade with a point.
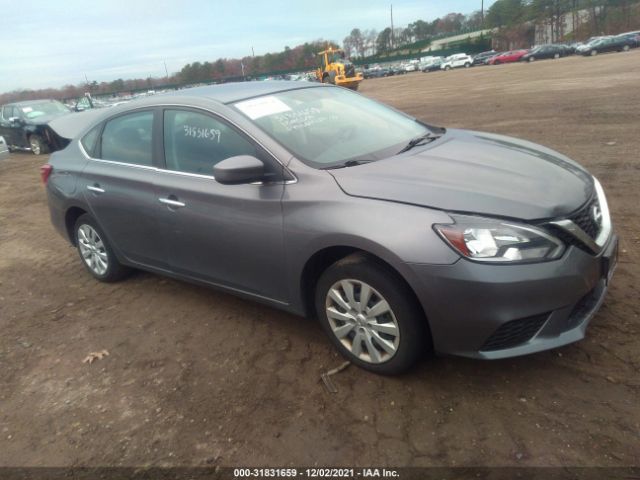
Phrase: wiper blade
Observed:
(348, 163)
(421, 140)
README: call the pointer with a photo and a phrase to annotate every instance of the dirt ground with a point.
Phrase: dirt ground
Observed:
(197, 377)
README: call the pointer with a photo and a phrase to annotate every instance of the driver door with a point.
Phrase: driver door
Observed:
(230, 235)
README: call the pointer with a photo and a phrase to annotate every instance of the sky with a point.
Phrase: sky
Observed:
(50, 43)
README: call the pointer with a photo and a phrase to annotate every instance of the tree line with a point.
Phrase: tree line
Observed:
(513, 22)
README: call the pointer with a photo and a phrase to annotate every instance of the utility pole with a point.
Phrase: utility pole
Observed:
(166, 72)
(253, 54)
(392, 42)
(482, 14)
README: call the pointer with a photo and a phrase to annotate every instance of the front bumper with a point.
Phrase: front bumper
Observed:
(498, 311)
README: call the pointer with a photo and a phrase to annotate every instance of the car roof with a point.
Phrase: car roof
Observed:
(233, 92)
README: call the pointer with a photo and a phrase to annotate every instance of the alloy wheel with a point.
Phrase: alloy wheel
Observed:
(362, 320)
(34, 143)
(92, 249)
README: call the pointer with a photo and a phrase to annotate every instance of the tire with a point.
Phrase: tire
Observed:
(38, 145)
(467, 65)
(532, 59)
(593, 53)
(556, 56)
(447, 68)
(626, 48)
(95, 252)
(403, 316)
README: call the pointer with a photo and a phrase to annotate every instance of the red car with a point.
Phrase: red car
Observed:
(507, 57)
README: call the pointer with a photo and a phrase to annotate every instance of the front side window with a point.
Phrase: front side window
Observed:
(194, 142)
(127, 139)
(8, 112)
(328, 126)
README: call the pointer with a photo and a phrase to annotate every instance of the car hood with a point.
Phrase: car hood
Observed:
(45, 119)
(475, 172)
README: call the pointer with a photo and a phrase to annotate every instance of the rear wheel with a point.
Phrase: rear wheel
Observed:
(626, 48)
(370, 315)
(556, 56)
(467, 65)
(37, 145)
(447, 68)
(593, 53)
(95, 251)
(532, 59)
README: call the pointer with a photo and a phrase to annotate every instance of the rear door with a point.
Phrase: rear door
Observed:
(119, 186)
(230, 235)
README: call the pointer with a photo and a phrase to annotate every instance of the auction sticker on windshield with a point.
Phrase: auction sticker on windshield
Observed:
(262, 107)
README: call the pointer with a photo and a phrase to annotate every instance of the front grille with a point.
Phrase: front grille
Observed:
(584, 219)
(514, 333)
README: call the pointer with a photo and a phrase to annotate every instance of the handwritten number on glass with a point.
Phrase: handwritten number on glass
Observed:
(199, 132)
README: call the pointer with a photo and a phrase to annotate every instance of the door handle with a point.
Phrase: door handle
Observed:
(95, 189)
(172, 203)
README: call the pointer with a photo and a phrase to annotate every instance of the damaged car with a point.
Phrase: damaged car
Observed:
(26, 125)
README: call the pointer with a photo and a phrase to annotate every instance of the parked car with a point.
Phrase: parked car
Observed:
(456, 61)
(507, 57)
(542, 52)
(376, 72)
(25, 125)
(609, 44)
(432, 65)
(4, 149)
(323, 202)
(480, 58)
(410, 67)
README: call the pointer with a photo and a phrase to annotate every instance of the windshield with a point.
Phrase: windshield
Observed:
(328, 126)
(35, 110)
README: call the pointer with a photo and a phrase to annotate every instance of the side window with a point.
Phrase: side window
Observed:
(195, 142)
(7, 113)
(89, 140)
(128, 139)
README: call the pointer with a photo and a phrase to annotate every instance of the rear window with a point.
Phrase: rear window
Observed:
(89, 141)
(127, 139)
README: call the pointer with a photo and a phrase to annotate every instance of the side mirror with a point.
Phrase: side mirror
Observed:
(15, 120)
(238, 170)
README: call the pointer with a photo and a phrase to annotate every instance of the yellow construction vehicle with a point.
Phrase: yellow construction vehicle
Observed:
(336, 69)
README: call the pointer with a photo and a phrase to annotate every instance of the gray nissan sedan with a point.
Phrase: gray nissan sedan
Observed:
(400, 237)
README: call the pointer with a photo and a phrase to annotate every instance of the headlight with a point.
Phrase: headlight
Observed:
(488, 240)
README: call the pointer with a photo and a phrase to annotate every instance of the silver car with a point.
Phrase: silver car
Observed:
(400, 237)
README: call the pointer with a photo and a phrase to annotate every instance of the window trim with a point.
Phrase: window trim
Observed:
(289, 177)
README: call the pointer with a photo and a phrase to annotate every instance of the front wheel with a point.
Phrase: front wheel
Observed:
(556, 56)
(38, 145)
(447, 68)
(532, 59)
(593, 53)
(95, 251)
(467, 65)
(625, 48)
(370, 315)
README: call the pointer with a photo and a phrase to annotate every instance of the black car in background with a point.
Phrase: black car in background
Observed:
(620, 43)
(25, 125)
(482, 57)
(544, 51)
